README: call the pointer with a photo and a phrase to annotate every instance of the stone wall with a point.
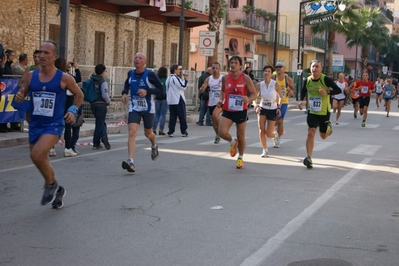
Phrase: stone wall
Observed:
(25, 24)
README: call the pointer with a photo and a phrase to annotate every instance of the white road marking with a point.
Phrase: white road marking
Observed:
(319, 145)
(262, 254)
(365, 149)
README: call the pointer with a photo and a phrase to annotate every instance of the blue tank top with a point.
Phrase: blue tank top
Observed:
(388, 92)
(48, 100)
(137, 103)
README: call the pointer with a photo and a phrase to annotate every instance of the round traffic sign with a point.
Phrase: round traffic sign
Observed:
(207, 42)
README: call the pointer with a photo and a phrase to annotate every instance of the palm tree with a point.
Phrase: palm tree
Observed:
(217, 11)
(391, 50)
(336, 26)
(359, 33)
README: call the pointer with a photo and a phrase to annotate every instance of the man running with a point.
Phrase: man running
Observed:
(365, 87)
(143, 84)
(47, 87)
(318, 88)
(378, 91)
(235, 88)
(214, 82)
(287, 90)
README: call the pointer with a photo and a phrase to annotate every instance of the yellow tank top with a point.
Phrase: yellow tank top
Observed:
(284, 91)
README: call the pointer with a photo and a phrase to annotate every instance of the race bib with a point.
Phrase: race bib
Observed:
(267, 103)
(378, 89)
(43, 103)
(282, 92)
(388, 93)
(315, 104)
(216, 93)
(139, 104)
(356, 93)
(365, 89)
(236, 103)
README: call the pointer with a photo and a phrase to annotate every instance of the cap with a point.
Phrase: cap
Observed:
(280, 64)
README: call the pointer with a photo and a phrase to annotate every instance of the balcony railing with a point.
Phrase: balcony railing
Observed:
(248, 20)
(200, 6)
(283, 39)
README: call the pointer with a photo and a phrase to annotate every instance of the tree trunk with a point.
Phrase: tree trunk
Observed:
(331, 42)
(214, 25)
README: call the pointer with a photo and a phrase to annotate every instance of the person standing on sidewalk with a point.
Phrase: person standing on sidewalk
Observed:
(48, 86)
(214, 83)
(99, 108)
(287, 90)
(204, 98)
(143, 84)
(161, 104)
(365, 87)
(175, 87)
(317, 88)
(237, 91)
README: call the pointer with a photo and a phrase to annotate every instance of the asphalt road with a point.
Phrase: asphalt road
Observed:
(344, 211)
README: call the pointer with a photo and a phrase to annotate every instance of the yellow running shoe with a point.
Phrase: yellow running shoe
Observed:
(233, 148)
(240, 163)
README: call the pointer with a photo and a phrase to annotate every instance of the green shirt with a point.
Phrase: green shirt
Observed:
(318, 104)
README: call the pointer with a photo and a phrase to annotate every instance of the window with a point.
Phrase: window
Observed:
(233, 3)
(99, 47)
(150, 53)
(250, 2)
(173, 53)
(54, 33)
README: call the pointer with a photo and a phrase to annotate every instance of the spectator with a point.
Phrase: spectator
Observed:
(99, 108)
(247, 70)
(161, 104)
(36, 56)
(204, 97)
(22, 65)
(10, 59)
(175, 87)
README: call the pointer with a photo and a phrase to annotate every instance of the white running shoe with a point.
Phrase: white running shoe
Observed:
(276, 140)
(69, 153)
(265, 154)
(52, 153)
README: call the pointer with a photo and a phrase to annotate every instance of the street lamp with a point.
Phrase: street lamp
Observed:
(368, 25)
(276, 34)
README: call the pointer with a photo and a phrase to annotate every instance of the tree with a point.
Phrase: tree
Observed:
(359, 33)
(217, 11)
(336, 26)
(391, 50)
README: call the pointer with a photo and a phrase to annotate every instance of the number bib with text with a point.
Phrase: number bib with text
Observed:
(43, 103)
(365, 89)
(315, 104)
(139, 104)
(236, 103)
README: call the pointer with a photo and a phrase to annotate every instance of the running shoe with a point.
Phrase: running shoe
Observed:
(276, 140)
(363, 123)
(308, 162)
(129, 166)
(233, 148)
(161, 133)
(106, 143)
(329, 128)
(154, 153)
(184, 135)
(99, 147)
(239, 163)
(170, 135)
(217, 139)
(387, 115)
(355, 115)
(69, 153)
(265, 154)
(49, 194)
(58, 203)
(52, 152)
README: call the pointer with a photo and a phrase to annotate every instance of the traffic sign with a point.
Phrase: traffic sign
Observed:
(206, 52)
(207, 39)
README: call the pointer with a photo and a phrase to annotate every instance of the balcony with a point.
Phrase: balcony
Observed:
(194, 14)
(283, 39)
(246, 22)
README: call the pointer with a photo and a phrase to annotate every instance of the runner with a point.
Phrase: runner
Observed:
(269, 108)
(143, 84)
(287, 90)
(339, 99)
(318, 88)
(378, 91)
(47, 87)
(235, 88)
(355, 97)
(214, 82)
(365, 87)
(388, 91)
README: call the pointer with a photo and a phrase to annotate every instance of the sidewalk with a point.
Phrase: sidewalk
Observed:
(11, 139)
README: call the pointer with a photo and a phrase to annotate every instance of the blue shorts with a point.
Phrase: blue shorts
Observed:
(37, 132)
(283, 110)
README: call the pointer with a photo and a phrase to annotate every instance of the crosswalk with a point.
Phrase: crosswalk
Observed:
(319, 145)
